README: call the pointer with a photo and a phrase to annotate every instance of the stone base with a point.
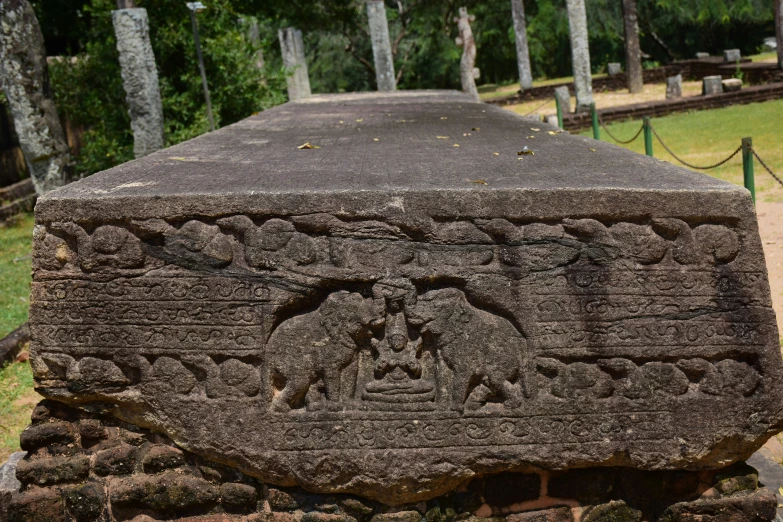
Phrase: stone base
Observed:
(87, 467)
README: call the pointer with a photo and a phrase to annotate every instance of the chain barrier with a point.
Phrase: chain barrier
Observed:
(534, 110)
(608, 132)
(765, 166)
(697, 167)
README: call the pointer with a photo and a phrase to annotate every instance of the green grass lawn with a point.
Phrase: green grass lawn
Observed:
(15, 248)
(17, 397)
(706, 137)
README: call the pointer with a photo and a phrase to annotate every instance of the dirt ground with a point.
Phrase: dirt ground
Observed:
(770, 216)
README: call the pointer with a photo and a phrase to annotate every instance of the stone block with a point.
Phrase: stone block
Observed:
(701, 56)
(92, 431)
(281, 501)
(390, 319)
(238, 498)
(37, 505)
(563, 96)
(674, 87)
(712, 85)
(558, 514)
(615, 511)
(614, 68)
(399, 516)
(755, 507)
(53, 470)
(314, 516)
(8, 480)
(120, 460)
(732, 55)
(166, 494)
(731, 85)
(160, 458)
(47, 434)
(86, 502)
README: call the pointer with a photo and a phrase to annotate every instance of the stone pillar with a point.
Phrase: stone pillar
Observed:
(140, 79)
(292, 47)
(614, 68)
(732, 55)
(712, 85)
(779, 30)
(26, 83)
(674, 87)
(468, 73)
(255, 38)
(563, 97)
(580, 54)
(633, 51)
(523, 53)
(381, 46)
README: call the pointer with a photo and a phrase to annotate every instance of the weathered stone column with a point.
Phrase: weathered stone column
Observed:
(633, 51)
(381, 47)
(468, 73)
(523, 53)
(26, 83)
(292, 47)
(140, 79)
(580, 54)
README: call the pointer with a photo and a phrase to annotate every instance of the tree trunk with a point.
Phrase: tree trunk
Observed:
(140, 79)
(254, 36)
(467, 71)
(633, 51)
(381, 46)
(26, 82)
(523, 54)
(580, 54)
(779, 30)
(292, 46)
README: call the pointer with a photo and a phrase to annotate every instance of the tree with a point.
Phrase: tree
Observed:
(26, 82)
(580, 54)
(633, 50)
(520, 37)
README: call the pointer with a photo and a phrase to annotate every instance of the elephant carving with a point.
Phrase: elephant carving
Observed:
(319, 345)
(479, 347)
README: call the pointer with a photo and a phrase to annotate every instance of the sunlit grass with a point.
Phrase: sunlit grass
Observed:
(15, 276)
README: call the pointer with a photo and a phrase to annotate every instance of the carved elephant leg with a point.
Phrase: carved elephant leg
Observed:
(459, 389)
(295, 389)
(332, 388)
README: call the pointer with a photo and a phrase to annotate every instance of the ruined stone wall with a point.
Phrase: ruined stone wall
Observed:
(89, 467)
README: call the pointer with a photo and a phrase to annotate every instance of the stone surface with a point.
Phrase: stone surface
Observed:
(392, 318)
(563, 97)
(674, 87)
(614, 68)
(292, 49)
(8, 480)
(732, 55)
(561, 514)
(701, 56)
(712, 85)
(140, 79)
(381, 46)
(731, 85)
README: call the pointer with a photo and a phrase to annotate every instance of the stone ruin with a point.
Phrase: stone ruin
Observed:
(402, 307)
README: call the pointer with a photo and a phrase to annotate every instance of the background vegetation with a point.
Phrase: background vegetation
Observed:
(89, 90)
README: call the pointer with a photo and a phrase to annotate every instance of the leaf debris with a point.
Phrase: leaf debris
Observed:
(308, 146)
(360, 120)
(478, 181)
(534, 129)
(444, 117)
(525, 152)
(376, 139)
(592, 149)
(442, 137)
(456, 144)
(475, 128)
(496, 154)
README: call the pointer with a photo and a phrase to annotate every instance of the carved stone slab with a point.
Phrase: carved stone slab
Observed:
(410, 302)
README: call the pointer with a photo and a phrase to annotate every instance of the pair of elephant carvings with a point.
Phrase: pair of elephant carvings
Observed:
(426, 349)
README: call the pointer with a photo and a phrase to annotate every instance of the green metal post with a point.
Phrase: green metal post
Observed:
(647, 137)
(747, 167)
(559, 112)
(594, 116)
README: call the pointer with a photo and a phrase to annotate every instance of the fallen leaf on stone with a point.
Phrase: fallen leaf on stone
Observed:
(308, 146)
(341, 121)
(376, 139)
(530, 137)
(556, 132)
(360, 120)
(592, 149)
(442, 137)
(466, 134)
(478, 181)
(496, 154)
(526, 152)
(444, 117)
(456, 144)
(475, 128)
(534, 129)
(401, 121)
